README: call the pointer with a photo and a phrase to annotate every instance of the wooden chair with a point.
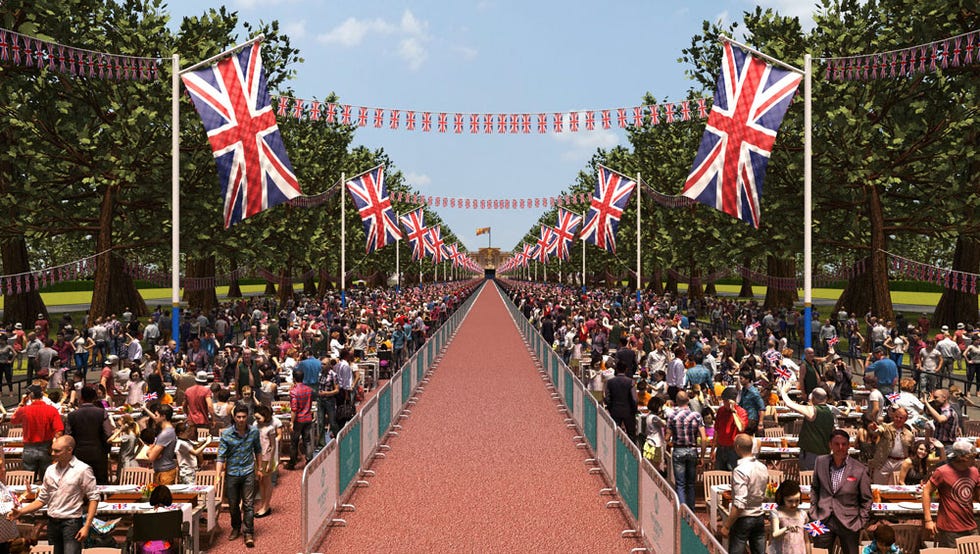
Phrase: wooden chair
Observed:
(792, 426)
(15, 432)
(908, 537)
(20, 478)
(938, 550)
(203, 434)
(968, 545)
(13, 464)
(971, 428)
(136, 476)
(815, 550)
(168, 526)
(806, 478)
(774, 432)
(102, 550)
(712, 478)
(211, 477)
(790, 468)
(775, 476)
(42, 549)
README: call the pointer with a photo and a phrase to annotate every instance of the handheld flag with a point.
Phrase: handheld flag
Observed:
(150, 396)
(832, 342)
(783, 372)
(372, 201)
(816, 528)
(482, 231)
(414, 223)
(893, 397)
(236, 111)
(612, 192)
(751, 98)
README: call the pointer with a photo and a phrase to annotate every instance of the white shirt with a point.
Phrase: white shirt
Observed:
(66, 491)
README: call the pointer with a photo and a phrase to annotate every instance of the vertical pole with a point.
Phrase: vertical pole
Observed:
(583, 255)
(420, 269)
(343, 240)
(807, 201)
(398, 266)
(175, 200)
(639, 279)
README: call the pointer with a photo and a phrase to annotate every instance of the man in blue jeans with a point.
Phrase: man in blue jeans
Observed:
(238, 455)
(684, 428)
(746, 523)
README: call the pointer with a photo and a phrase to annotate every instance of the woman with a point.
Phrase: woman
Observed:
(867, 438)
(135, 388)
(270, 432)
(972, 355)
(897, 345)
(83, 346)
(223, 408)
(923, 459)
(127, 437)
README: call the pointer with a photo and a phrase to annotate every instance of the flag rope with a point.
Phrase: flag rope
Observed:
(28, 51)
(955, 51)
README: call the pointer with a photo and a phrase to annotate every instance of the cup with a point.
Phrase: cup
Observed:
(876, 496)
(783, 442)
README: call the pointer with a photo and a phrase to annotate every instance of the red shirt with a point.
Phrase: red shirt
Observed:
(956, 494)
(725, 429)
(196, 400)
(41, 421)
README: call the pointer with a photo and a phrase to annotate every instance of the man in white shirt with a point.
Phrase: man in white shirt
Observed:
(68, 483)
(746, 524)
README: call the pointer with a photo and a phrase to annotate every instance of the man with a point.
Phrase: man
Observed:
(949, 350)
(958, 483)
(198, 402)
(151, 334)
(46, 357)
(684, 428)
(840, 495)
(750, 400)
(817, 427)
(893, 447)
(946, 417)
(884, 369)
(657, 358)
(827, 332)
(310, 366)
(326, 403)
(106, 378)
(698, 375)
(42, 424)
(301, 405)
(345, 376)
(620, 399)
(67, 486)
(676, 373)
(729, 423)
(709, 361)
(134, 350)
(89, 425)
(930, 364)
(163, 451)
(809, 371)
(746, 522)
(876, 400)
(238, 456)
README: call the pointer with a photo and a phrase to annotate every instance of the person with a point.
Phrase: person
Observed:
(750, 400)
(42, 424)
(160, 498)
(198, 403)
(223, 409)
(188, 452)
(958, 484)
(809, 371)
(676, 372)
(972, 356)
(91, 428)
(620, 400)
(68, 487)
(301, 405)
(925, 455)
(746, 521)
(884, 541)
(127, 437)
(945, 416)
(238, 452)
(270, 432)
(929, 366)
(893, 448)
(310, 367)
(653, 447)
(684, 429)
(83, 346)
(840, 495)
(876, 400)
(163, 451)
(818, 422)
(883, 369)
(7, 355)
(788, 536)
(730, 421)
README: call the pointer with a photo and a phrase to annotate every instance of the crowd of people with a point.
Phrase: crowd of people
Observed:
(127, 382)
(712, 373)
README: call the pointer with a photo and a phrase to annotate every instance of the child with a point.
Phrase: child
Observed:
(884, 541)
(160, 498)
(188, 453)
(126, 436)
(788, 519)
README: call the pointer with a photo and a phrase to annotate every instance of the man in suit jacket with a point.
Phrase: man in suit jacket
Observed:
(621, 402)
(840, 495)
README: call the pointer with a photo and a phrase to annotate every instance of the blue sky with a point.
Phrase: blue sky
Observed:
(496, 56)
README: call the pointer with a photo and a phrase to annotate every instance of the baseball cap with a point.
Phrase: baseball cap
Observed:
(960, 449)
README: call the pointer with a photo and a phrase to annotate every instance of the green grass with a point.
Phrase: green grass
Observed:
(84, 297)
(898, 297)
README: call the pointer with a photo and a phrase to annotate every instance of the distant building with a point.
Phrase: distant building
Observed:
(490, 258)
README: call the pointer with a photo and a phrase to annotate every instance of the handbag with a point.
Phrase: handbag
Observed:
(346, 409)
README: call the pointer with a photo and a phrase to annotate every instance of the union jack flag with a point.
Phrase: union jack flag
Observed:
(415, 231)
(833, 341)
(544, 244)
(564, 232)
(750, 101)
(372, 201)
(150, 396)
(783, 372)
(612, 192)
(232, 99)
(435, 243)
(893, 397)
(816, 528)
(454, 255)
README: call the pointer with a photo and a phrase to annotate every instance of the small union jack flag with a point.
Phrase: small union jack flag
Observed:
(816, 528)
(150, 396)
(613, 191)
(371, 198)
(783, 372)
(426, 122)
(893, 397)
(833, 341)
(443, 121)
(415, 230)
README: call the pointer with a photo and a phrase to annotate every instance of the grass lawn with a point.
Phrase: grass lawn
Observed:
(898, 297)
(85, 296)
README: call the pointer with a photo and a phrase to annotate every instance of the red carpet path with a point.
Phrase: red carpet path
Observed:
(483, 464)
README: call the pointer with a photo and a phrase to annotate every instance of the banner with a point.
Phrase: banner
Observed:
(695, 537)
(569, 388)
(406, 385)
(606, 443)
(397, 401)
(628, 473)
(590, 412)
(384, 410)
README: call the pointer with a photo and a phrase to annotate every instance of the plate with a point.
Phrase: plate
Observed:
(910, 505)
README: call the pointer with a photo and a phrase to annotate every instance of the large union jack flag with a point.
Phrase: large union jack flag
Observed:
(751, 99)
(452, 252)
(544, 244)
(435, 244)
(372, 201)
(564, 233)
(415, 231)
(612, 192)
(235, 108)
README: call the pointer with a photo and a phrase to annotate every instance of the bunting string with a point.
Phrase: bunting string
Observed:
(956, 51)
(667, 200)
(563, 200)
(28, 51)
(30, 281)
(313, 200)
(491, 123)
(770, 281)
(961, 281)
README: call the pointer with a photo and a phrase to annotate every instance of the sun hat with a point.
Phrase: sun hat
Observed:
(960, 449)
(202, 377)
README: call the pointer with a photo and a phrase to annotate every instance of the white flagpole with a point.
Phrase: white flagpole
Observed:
(807, 200)
(398, 266)
(343, 240)
(639, 279)
(583, 252)
(175, 201)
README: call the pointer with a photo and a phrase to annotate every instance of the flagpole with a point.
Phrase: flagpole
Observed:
(807, 201)
(583, 254)
(175, 200)
(398, 266)
(343, 240)
(763, 56)
(639, 279)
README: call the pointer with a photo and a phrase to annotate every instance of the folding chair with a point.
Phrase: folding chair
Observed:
(158, 526)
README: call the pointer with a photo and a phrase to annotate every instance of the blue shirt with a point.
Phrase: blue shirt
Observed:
(311, 371)
(239, 452)
(885, 370)
(752, 403)
(698, 375)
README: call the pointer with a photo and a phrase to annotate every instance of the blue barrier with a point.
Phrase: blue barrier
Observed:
(384, 411)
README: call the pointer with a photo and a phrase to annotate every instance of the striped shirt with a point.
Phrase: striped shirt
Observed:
(684, 426)
(300, 402)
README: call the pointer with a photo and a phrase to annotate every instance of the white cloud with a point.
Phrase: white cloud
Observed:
(467, 53)
(584, 142)
(411, 34)
(295, 29)
(485, 5)
(417, 180)
(410, 25)
(352, 31)
(412, 51)
(250, 4)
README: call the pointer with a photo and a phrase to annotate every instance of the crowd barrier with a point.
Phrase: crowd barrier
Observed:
(332, 475)
(646, 498)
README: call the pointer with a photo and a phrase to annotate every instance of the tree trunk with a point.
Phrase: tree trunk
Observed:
(204, 299)
(856, 296)
(956, 306)
(656, 282)
(881, 299)
(776, 297)
(234, 288)
(709, 288)
(270, 288)
(326, 283)
(114, 290)
(23, 307)
(309, 284)
(694, 291)
(671, 285)
(286, 283)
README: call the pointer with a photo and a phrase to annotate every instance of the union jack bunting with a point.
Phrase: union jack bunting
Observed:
(415, 231)
(436, 244)
(235, 108)
(750, 101)
(612, 192)
(564, 232)
(372, 201)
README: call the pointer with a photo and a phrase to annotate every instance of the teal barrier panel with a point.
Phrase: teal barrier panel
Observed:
(350, 453)
(406, 386)
(554, 372)
(384, 411)
(628, 473)
(569, 389)
(589, 415)
(695, 537)
(428, 349)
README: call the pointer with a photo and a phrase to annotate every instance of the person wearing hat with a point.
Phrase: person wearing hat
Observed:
(950, 352)
(198, 403)
(729, 422)
(818, 423)
(958, 484)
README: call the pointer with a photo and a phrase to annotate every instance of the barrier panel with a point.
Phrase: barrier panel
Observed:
(384, 410)
(420, 369)
(628, 472)
(606, 443)
(578, 390)
(369, 429)
(350, 452)
(320, 494)
(406, 385)
(589, 411)
(659, 509)
(695, 537)
(569, 388)
(554, 374)
(397, 402)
